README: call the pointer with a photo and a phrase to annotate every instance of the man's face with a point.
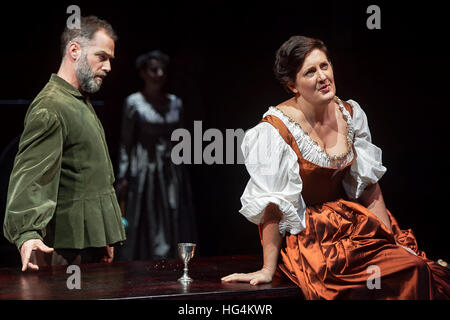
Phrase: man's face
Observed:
(95, 62)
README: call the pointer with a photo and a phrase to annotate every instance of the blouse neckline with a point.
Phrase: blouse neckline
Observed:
(335, 160)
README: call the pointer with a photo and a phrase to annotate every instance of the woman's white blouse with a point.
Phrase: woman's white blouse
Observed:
(274, 170)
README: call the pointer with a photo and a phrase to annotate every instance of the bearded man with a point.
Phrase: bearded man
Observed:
(61, 206)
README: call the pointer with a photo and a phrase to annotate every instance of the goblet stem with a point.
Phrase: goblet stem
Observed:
(185, 278)
(185, 270)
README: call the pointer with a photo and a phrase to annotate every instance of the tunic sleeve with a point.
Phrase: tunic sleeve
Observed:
(34, 181)
(274, 178)
(126, 139)
(367, 169)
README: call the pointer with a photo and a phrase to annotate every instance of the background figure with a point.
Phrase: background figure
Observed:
(154, 193)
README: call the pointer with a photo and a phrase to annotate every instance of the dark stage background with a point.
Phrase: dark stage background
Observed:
(222, 56)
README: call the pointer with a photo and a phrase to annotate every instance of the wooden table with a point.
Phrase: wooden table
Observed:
(145, 280)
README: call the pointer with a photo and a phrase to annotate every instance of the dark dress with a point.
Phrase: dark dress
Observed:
(158, 205)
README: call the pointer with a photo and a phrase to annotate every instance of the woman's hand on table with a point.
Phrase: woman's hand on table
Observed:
(254, 278)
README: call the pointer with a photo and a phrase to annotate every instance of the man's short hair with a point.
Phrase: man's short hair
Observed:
(88, 27)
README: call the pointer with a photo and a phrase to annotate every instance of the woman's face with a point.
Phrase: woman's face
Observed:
(315, 80)
(155, 73)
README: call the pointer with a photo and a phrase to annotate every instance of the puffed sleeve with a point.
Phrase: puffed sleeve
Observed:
(367, 169)
(274, 178)
(34, 181)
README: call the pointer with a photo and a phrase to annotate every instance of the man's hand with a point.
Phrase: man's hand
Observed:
(27, 248)
(109, 254)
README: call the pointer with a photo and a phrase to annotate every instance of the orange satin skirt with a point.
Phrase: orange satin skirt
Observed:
(334, 257)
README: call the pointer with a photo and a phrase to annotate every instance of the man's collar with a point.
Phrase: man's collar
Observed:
(65, 85)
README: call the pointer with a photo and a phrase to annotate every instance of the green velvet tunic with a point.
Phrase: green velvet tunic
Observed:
(61, 187)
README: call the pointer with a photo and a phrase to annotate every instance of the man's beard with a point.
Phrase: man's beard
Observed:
(86, 77)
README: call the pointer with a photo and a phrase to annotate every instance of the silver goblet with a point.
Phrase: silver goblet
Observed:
(186, 253)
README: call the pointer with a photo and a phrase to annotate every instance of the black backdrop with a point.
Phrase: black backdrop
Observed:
(222, 56)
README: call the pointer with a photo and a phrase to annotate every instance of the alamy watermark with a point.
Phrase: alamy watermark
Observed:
(74, 280)
(73, 21)
(224, 148)
(213, 153)
(374, 280)
(374, 20)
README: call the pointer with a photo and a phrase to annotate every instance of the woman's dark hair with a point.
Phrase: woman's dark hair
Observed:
(291, 55)
(142, 60)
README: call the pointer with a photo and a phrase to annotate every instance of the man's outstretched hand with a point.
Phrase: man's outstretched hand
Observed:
(27, 248)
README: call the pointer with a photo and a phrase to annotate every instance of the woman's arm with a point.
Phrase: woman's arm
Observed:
(271, 238)
(271, 242)
(372, 199)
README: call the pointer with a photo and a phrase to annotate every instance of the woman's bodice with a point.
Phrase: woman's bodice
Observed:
(320, 184)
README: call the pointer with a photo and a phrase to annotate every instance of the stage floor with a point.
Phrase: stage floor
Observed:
(145, 280)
